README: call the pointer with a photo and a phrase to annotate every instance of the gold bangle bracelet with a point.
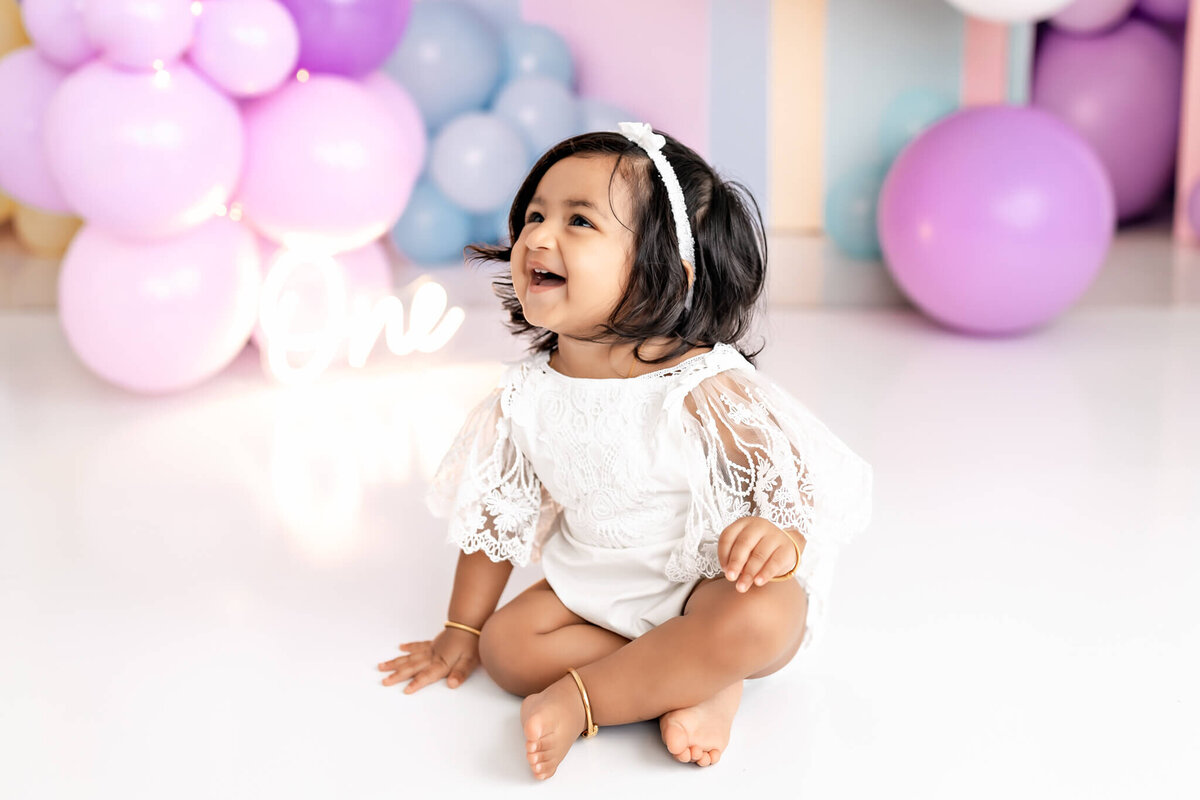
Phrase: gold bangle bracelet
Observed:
(461, 627)
(592, 727)
(791, 571)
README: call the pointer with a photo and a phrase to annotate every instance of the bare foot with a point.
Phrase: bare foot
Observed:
(553, 719)
(701, 733)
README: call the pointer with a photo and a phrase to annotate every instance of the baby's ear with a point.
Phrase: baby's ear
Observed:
(691, 273)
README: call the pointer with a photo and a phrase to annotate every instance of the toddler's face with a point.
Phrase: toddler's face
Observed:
(574, 231)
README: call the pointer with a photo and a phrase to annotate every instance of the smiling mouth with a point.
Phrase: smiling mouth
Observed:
(542, 277)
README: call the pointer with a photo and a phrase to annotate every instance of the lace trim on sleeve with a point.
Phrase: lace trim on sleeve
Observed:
(489, 491)
(759, 452)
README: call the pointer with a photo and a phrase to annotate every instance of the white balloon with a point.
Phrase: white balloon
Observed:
(1010, 10)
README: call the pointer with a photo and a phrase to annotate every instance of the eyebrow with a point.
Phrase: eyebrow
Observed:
(571, 202)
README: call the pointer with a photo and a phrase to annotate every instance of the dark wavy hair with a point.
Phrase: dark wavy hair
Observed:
(731, 251)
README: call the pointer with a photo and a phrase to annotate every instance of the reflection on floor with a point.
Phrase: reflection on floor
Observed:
(194, 589)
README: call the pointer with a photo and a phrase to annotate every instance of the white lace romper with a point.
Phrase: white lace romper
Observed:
(622, 487)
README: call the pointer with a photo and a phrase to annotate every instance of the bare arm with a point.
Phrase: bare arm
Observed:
(453, 654)
(478, 584)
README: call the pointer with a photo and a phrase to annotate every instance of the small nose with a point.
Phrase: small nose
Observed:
(539, 236)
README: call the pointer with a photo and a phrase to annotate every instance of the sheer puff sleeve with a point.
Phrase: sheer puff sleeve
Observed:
(489, 492)
(757, 451)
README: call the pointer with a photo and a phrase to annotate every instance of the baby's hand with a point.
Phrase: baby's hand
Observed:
(452, 652)
(753, 550)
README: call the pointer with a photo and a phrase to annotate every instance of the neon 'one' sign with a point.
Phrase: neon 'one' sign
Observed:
(295, 356)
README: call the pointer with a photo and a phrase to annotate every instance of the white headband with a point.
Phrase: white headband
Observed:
(641, 134)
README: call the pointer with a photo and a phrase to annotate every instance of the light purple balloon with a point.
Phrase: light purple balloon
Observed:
(56, 28)
(1121, 91)
(136, 33)
(163, 315)
(1173, 12)
(400, 103)
(144, 154)
(478, 161)
(327, 165)
(996, 219)
(348, 37)
(1092, 16)
(247, 48)
(27, 82)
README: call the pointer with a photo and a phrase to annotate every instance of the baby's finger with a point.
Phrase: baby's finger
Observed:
(404, 672)
(780, 562)
(412, 647)
(742, 548)
(459, 672)
(761, 554)
(726, 540)
(396, 662)
(435, 671)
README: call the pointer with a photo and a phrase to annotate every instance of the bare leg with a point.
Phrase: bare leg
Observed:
(723, 637)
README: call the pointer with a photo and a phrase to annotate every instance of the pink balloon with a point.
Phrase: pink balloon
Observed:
(327, 166)
(1092, 16)
(56, 29)
(144, 154)
(162, 315)
(136, 33)
(247, 48)
(367, 272)
(398, 101)
(27, 82)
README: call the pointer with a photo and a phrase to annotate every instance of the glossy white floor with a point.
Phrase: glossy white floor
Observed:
(194, 590)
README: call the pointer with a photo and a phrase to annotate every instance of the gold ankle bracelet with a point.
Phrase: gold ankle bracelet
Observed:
(591, 728)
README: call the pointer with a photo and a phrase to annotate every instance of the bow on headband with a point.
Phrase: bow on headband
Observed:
(641, 134)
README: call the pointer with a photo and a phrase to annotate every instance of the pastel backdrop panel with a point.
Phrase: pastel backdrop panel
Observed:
(650, 58)
(798, 105)
(1187, 171)
(739, 65)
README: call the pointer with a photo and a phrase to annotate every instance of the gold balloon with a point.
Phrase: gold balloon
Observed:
(12, 30)
(44, 234)
(7, 207)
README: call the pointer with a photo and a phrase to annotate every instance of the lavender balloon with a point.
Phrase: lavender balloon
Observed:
(143, 154)
(56, 29)
(160, 316)
(348, 37)
(247, 48)
(1121, 91)
(136, 33)
(327, 165)
(996, 220)
(1092, 16)
(27, 82)
(1172, 12)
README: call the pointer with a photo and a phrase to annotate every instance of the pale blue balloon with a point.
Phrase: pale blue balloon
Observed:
(850, 212)
(597, 115)
(450, 60)
(491, 228)
(910, 114)
(478, 161)
(531, 49)
(432, 230)
(541, 108)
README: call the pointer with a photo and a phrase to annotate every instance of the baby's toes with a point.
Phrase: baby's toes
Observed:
(697, 752)
(705, 759)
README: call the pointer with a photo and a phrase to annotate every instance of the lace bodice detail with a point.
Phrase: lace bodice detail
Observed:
(677, 454)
